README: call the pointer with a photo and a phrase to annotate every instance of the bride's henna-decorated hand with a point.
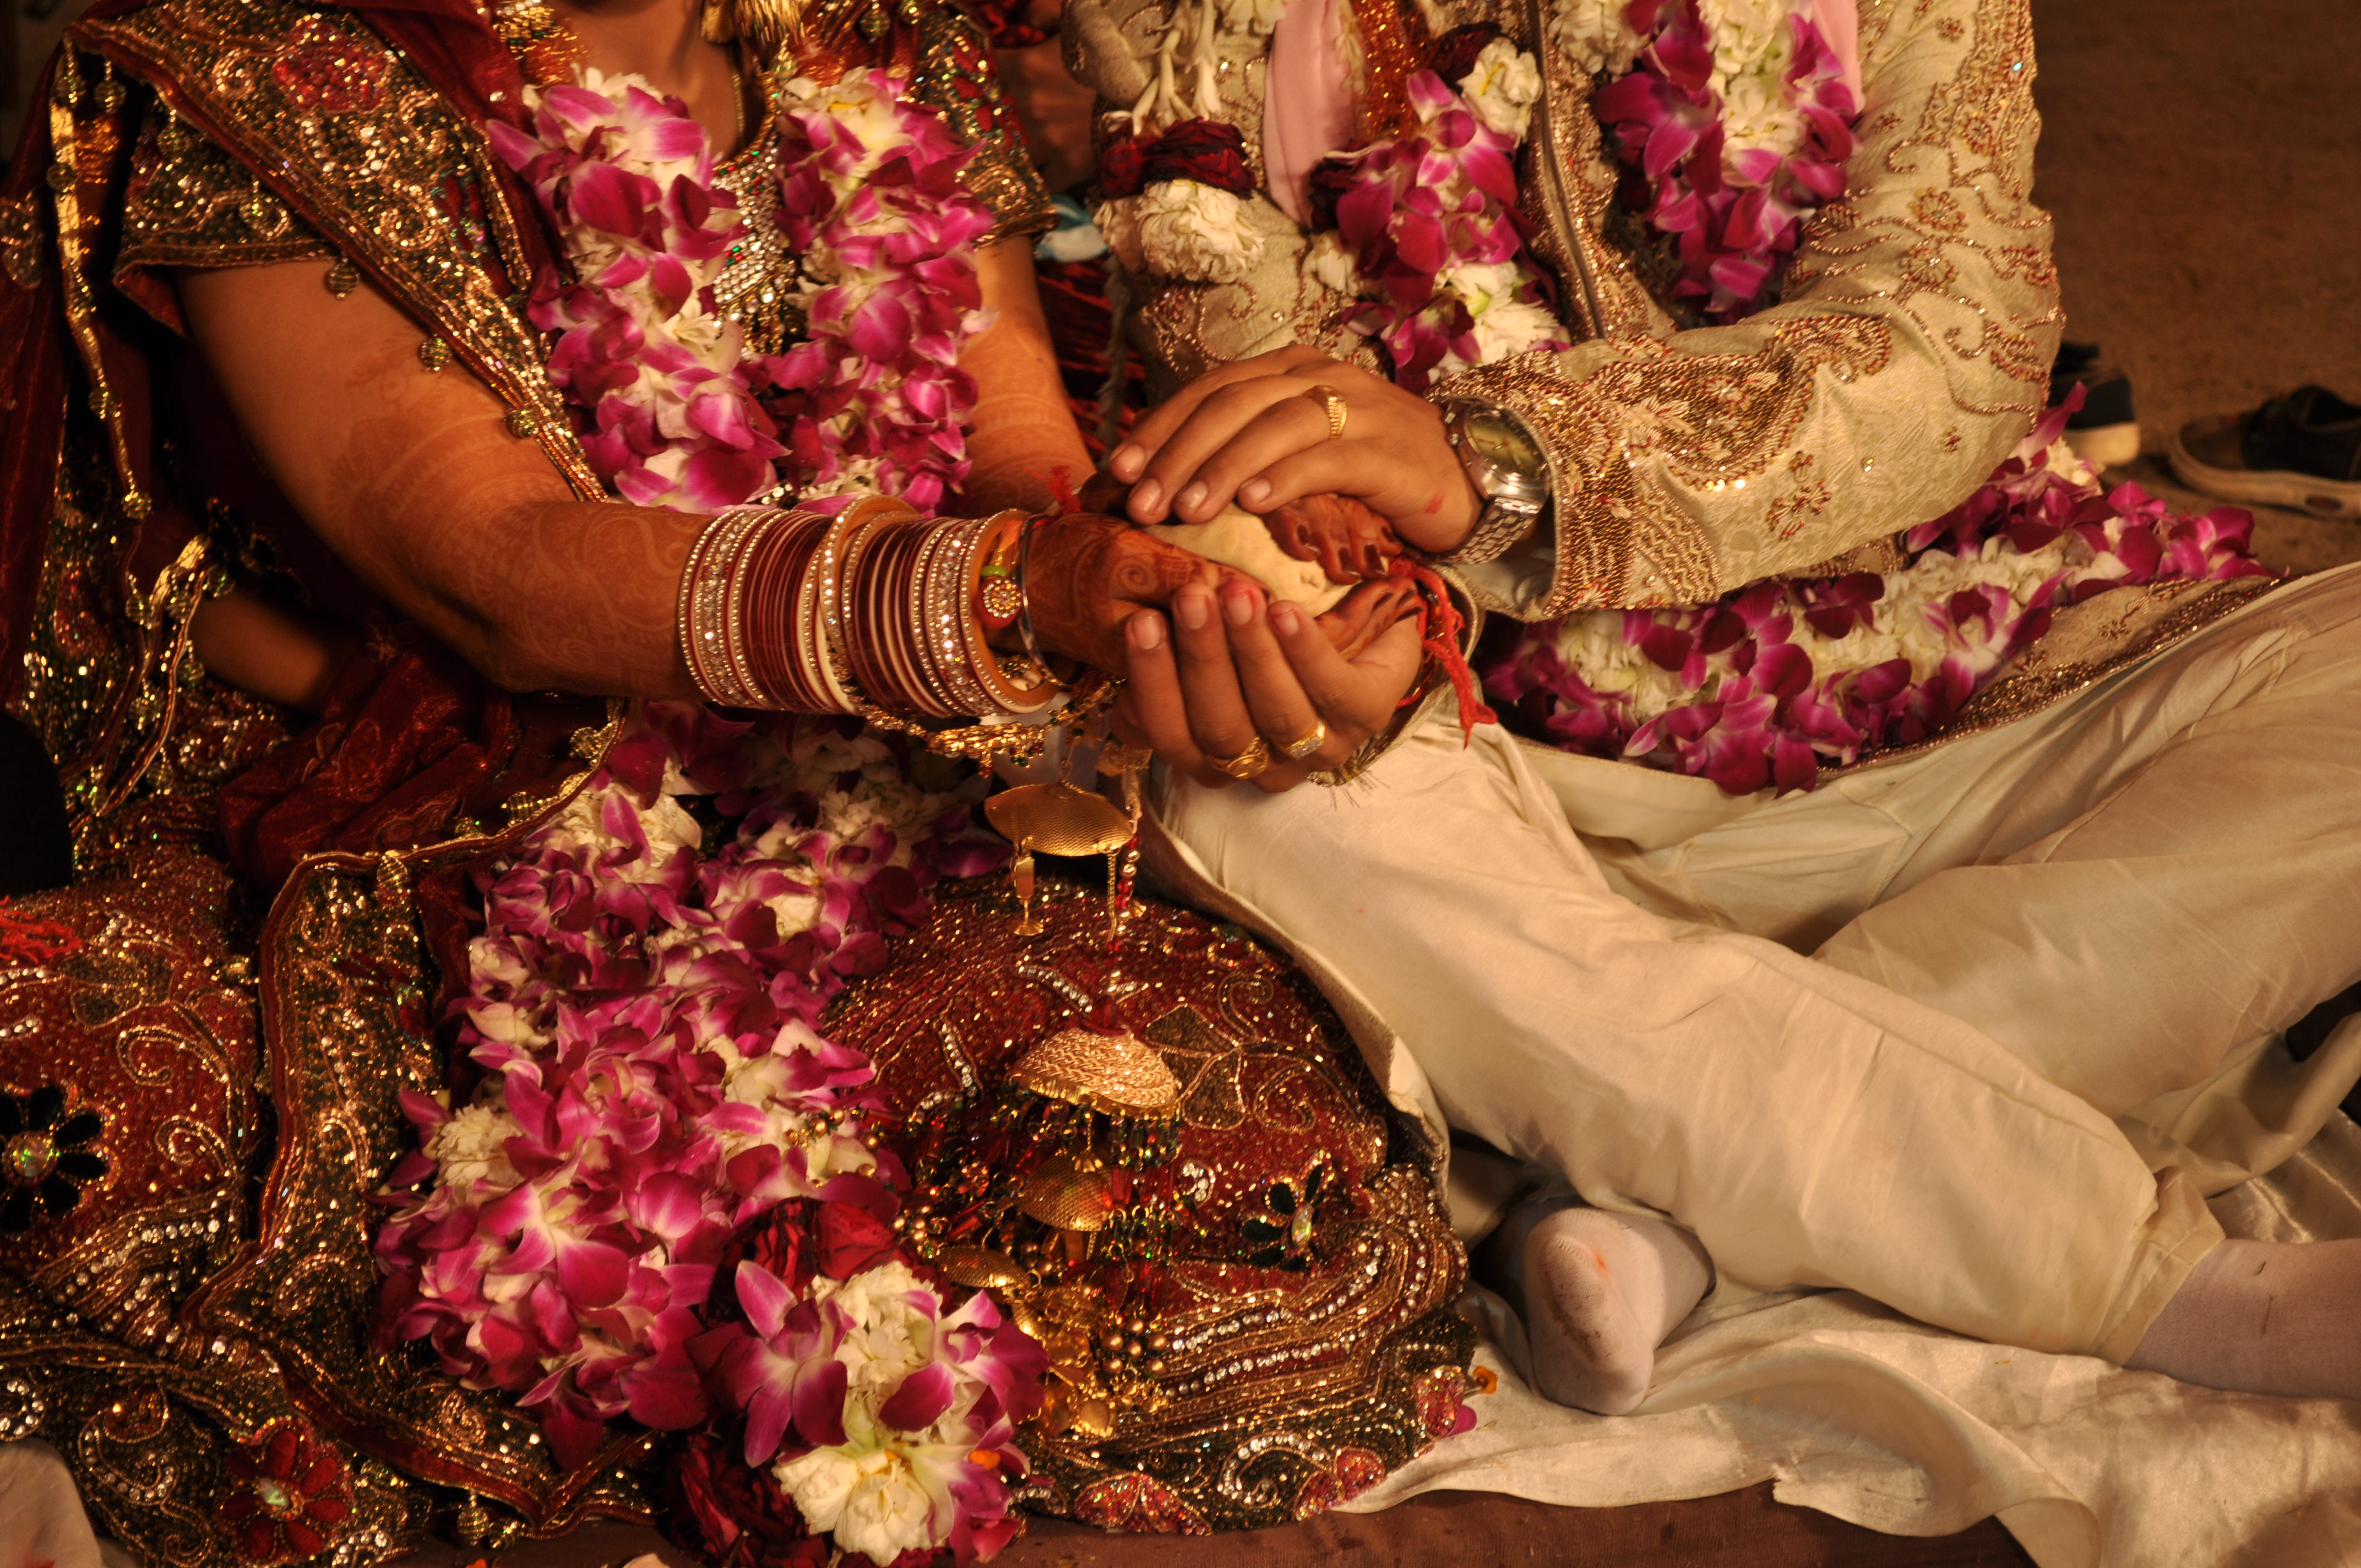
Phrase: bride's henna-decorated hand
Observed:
(1352, 542)
(1085, 577)
(1365, 614)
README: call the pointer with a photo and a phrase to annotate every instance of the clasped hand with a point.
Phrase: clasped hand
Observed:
(1231, 664)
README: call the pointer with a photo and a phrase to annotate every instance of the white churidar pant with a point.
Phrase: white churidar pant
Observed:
(1971, 1031)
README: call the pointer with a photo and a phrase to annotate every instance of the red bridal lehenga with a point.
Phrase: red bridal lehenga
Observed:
(480, 1112)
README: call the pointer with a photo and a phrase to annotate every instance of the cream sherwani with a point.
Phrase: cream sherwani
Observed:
(1973, 1031)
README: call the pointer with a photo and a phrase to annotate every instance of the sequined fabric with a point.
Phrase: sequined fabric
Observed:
(1308, 1346)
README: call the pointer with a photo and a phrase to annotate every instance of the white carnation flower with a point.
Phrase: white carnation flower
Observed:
(667, 828)
(1182, 228)
(471, 1148)
(1757, 113)
(1502, 86)
(888, 1338)
(1509, 327)
(871, 1499)
(1328, 259)
(1595, 35)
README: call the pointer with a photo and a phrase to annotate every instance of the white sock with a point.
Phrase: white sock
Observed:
(1597, 1293)
(2264, 1318)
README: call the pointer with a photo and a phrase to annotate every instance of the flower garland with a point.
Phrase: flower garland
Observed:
(661, 1200)
(1735, 124)
(1175, 204)
(1425, 228)
(876, 403)
(674, 408)
(661, 376)
(1761, 688)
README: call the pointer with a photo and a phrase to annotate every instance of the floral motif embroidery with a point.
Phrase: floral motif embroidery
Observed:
(329, 71)
(1282, 1234)
(288, 1493)
(46, 1156)
(28, 939)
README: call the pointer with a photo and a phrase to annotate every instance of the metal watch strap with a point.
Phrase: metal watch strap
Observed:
(1497, 529)
(1506, 519)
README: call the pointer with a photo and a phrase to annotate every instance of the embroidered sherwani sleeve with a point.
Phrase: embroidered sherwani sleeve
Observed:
(1909, 354)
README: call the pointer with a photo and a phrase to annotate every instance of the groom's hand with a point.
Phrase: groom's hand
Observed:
(1255, 432)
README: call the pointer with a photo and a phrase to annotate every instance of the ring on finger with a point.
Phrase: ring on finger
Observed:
(1303, 745)
(1247, 765)
(1331, 401)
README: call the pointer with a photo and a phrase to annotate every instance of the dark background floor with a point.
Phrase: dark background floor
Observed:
(2202, 158)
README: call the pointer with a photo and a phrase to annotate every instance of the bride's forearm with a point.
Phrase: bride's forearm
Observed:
(573, 597)
(1024, 429)
(412, 477)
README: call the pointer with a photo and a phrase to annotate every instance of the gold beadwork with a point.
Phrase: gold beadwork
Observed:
(522, 424)
(435, 354)
(343, 277)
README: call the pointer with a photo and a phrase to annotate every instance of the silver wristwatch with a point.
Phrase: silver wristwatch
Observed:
(1508, 468)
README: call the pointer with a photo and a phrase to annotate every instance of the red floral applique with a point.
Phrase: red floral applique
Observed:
(288, 1493)
(28, 939)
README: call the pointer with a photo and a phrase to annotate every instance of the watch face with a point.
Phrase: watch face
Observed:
(1501, 441)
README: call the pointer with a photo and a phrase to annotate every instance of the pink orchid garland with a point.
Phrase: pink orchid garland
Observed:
(667, 390)
(1423, 212)
(874, 400)
(1762, 688)
(644, 1002)
(674, 408)
(1735, 216)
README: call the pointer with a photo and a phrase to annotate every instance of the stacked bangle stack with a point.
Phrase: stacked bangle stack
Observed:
(877, 610)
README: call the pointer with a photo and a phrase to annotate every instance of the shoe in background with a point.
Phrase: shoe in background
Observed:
(2302, 451)
(2104, 430)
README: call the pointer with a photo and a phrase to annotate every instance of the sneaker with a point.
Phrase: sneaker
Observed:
(2104, 430)
(2302, 451)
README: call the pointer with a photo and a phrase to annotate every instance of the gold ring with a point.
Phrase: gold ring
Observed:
(1333, 402)
(1247, 765)
(1303, 745)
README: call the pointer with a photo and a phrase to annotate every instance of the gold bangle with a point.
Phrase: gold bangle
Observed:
(1303, 745)
(1247, 765)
